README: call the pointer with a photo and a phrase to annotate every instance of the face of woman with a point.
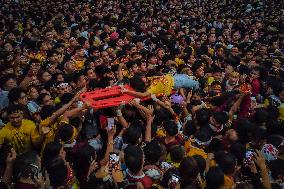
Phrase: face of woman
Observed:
(32, 93)
(46, 76)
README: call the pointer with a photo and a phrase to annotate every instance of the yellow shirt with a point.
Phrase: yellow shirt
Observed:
(79, 64)
(161, 85)
(20, 138)
(53, 129)
(191, 150)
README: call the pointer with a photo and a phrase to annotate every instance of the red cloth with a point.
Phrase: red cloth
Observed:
(255, 87)
(245, 107)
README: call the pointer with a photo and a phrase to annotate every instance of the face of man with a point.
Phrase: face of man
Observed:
(16, 118)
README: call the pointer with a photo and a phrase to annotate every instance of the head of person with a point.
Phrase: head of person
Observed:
(152, 152)
(27, 166)
(218, 119)
(45, 99)
(67, 135)
(84, 158)
(171, 128)
(18, 96)
(51, 151)
(63, 88)
(227, 162)
(45, 76)
(170, 178)
(137, 83)
(134, 159)
(177, 153)
(276, 172)
(214, 178)
(8, 82)
(58, 172)
(234, 78)
(32, 92)
(255, 74)
(15, 115)
(189, 171)
(80, 80)
(79, 52)
(133, 135)
(202, 138)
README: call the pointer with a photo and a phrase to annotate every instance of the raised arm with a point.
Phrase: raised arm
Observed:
(110, 133)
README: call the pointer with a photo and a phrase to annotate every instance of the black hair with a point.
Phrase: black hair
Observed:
(132, 135)
(260, 133)
(84, 158)
(177, 153)
(203, 135)
(50, 152)
(133, 158)
(188, 172)
(260, 116)
(76, 76)
(275, 168)
(189, 128)
(220, 117)
(66, 98)
(13, 108)
(214, 178)
(171, 127)
(137, 84)
(239, 151)
(201, 163)
(47, 111)
(244, 128)
(41, 97)
(24, 165)
(168, 175)
(58, 172)
(15, 94)
(202, 117)
(226, 161)
(152, 152)
(161, 115)
(65, 133)
(6, 78)
(275, 140)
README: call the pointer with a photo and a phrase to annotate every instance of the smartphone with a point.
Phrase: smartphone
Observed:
(249, 155)
(110, 122)
(173, 182)
(114, 160)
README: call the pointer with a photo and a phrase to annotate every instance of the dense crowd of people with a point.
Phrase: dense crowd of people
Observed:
(207, 79)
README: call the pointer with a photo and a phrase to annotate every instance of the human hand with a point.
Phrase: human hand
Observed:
(45, 130)
(135, 102)
(117, 174)
(189, 95)
(11, 157)
(259, 160)
(111, 131)
(93, 167)
(124, 90)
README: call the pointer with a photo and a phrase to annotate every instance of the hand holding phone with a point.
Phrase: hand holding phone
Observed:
(110, 123)
(113, 161)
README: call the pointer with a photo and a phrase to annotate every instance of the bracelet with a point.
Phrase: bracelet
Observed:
(154, 98)
(118, 112)
(110, 143)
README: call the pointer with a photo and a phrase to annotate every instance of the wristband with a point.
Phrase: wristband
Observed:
(154, 98)
(118, 112)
